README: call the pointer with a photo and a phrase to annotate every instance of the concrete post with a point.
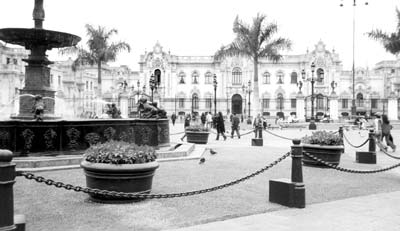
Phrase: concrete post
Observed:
(290, 192)
(334, 106)
(392, 108)
(124, 105)
(7, 180)
(300, 113)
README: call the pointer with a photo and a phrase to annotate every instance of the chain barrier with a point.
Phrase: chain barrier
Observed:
(390, 155)
(178, 133)
(278, 135)
(354, 146)
(50, 182)
(350, 170)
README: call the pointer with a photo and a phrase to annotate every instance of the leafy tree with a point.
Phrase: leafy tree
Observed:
(255, 42)
(101, 50)
(391, 42)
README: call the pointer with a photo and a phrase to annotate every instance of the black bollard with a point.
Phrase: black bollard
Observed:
(7, 180)
(287, 192)
(341, 135)
(368, 157)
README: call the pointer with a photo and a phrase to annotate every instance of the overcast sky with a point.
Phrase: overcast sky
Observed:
(194, 27)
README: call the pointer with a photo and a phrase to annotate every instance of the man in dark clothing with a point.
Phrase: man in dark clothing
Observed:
(235, 125)
(203, 119)
(220, 125)
(173, 118)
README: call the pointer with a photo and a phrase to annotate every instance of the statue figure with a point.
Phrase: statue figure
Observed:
(38, 108)
(333, 85)
(113, 111)
(150, 110)
(300, 85)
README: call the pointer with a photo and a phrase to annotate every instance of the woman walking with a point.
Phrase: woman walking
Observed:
(186, 124)
(386, 128)
(220, 125)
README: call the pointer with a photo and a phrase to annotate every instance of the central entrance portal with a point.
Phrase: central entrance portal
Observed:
(237, 103)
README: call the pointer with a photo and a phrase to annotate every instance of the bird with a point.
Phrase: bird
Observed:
(212, 152)
(202, 160)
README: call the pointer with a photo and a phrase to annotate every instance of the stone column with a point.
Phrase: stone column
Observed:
(123, 102)
(392, 107)
(334, 106)
(300, 107)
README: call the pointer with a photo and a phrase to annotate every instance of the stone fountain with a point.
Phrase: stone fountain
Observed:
(24, 134)
(37, 72)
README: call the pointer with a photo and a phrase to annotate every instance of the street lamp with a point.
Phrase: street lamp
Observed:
(152, 85)
(215, 93)
(249, 89)
(245, 98)
(320, 77)
(353, 101)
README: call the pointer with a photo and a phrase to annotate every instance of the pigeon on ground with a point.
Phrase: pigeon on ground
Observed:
(202, 160)
(212, 151)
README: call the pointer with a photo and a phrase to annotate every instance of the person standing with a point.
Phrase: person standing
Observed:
(203, 119)
(220, 125)
(186, 124)
(173, 118)
(209, 120)
(257, 124)
(386, 128)
(235, 125)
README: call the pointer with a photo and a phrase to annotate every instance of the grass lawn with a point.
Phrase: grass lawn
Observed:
(49, 208)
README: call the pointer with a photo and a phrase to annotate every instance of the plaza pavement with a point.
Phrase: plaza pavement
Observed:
(364, 213)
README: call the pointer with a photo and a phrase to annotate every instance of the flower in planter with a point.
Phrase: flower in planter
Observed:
(119, 152)
(196, 128)
(323, 138)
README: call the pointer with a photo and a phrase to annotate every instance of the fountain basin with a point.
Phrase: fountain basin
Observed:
(31, 36)
(24, 136)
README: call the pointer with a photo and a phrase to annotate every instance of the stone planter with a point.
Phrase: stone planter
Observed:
(130, 178)
(330, 154)
(197, 137)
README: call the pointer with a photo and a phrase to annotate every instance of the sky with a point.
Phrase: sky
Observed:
(194, 27)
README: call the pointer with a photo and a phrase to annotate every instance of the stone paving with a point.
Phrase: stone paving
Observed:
(372, 212)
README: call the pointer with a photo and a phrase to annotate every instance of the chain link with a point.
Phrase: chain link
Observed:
(350, 170)
(390, 155)
(115, 194)
(354, 146)
(178, 133)
(278, 135)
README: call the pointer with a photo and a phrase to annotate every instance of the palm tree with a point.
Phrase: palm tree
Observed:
(101, 50)
(255, 42)
(391, 41)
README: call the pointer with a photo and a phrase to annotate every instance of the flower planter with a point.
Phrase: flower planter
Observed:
(330, 154)
(197, 137)
(129, 178)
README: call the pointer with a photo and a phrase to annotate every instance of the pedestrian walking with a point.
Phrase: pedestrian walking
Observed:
(209, 120)
(220, 125)
(378, 131)
(173, 118)
(186, 124)
(203, 119)
(386, 134)
(235, 125)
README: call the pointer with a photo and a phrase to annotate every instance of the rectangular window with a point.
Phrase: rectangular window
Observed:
(15, 61)
(8, 60)
(181, 102)
(208, 103)
(293, 103)
(265, 103)
(374, 103)
(345, 103)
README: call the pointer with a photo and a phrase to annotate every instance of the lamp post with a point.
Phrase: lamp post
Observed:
(215, 93)
(353, 101)
(320, 77)
(249, 89)
(245, 98)
(152, 85)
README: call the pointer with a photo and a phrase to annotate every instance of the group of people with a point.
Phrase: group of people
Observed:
(382, 128)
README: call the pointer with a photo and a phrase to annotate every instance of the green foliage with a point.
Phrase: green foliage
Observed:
(323, 138)
(197, 128)
(118, 152)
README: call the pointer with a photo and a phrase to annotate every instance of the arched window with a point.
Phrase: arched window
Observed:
(195, 102)
(293, 78)
(360, 100)
(181, 77)
(280, 77)
(236, 76)
(208, 78)
(195, 77)
(280, 102)
(266, 78)
(320, 102)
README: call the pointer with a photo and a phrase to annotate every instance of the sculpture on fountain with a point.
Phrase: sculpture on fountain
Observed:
(38, 108)
(150, 110)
